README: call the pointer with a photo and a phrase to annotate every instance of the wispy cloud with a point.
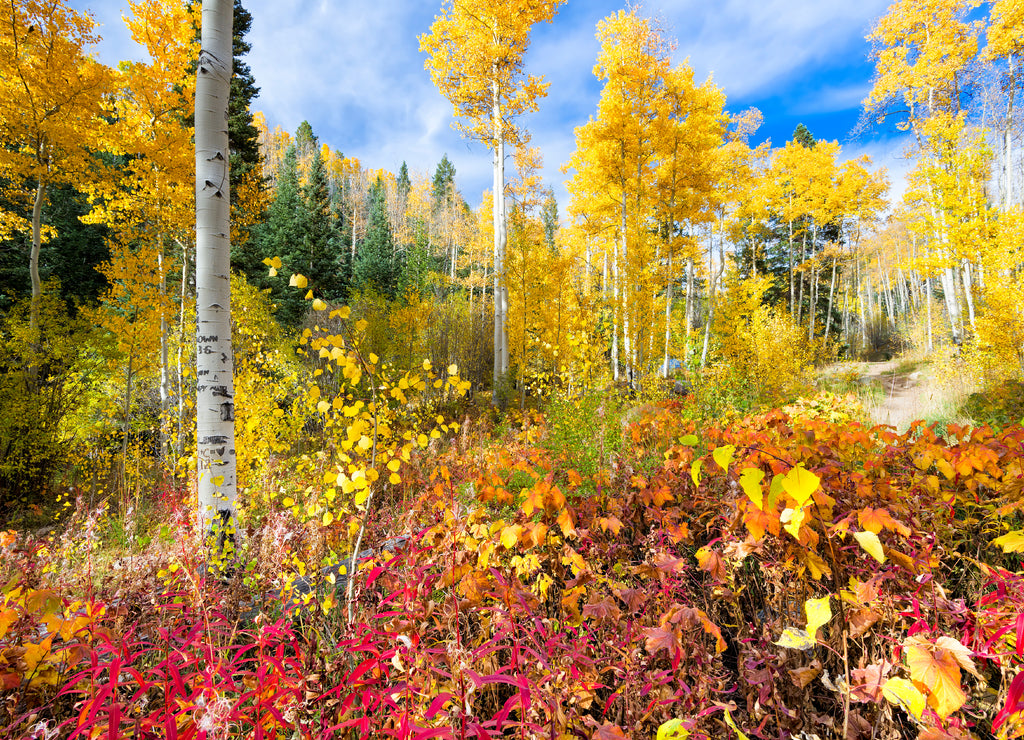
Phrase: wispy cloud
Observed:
(353, 69)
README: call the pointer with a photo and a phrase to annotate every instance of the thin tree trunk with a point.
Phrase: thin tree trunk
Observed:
(33, 259)
(688, 312)
(215, 410)
(965, 274)
(831, 293)
(668, 311)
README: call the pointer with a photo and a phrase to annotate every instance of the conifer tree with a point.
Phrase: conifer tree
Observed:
(375, 267)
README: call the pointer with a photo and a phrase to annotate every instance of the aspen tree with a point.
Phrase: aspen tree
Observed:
(215, 412)
(50, 93)
(475, 53)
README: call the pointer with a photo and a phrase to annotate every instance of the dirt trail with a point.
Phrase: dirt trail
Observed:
(906, 395)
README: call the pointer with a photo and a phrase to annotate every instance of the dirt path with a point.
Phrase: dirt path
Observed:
(906, 395)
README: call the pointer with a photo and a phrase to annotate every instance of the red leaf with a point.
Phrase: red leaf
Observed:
(659, 638)
(1012, 705)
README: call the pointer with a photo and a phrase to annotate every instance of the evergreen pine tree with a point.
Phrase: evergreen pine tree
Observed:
(319, 262)
(242, 134)
(281, 235)
(803, 136)
(375, 266)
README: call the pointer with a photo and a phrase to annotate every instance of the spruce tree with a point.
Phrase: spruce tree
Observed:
(281, 235)
(242, 134)
(319, 264)
(376, 268)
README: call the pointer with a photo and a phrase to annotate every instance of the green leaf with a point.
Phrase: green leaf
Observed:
(870, 543)
(800, 483)
(819, 612)
(695, 472)
(750, 480)
(689, 440)
(902, 692)
(796, 639)
(723, 455)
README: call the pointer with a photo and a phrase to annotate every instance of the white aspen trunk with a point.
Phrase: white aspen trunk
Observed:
(179, 448)
(1008, 140)
(668, 311)
(792, 287)
(688, 310)
(627, 344)
(615, 310)
(968, 293)
(952, 304)
(165, 371)
(928, 303)
(215, 410)
(500, 241)
(831, 294)
(33, 258)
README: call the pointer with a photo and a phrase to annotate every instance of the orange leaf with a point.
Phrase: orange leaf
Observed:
(938, 670)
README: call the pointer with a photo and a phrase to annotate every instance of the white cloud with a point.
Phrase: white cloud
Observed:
(353, 69)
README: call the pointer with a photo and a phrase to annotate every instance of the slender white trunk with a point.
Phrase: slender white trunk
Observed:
(500, 240)
(165, 371)
(33, 259)
(215, 393)
(968, 293)
(831, 294)
(688, 310)
(668, 312)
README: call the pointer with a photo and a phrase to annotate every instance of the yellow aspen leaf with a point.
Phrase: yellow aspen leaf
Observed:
(903, 693)
(328, 517)
(319, 305)
(373, 359)
(422, 440)
(435, 434)
(427, 365)
(732, 723)
(308, 296)
(453, 369)
(819, 612)
(298, 281)
(7, 618)
(330, 476)
(288, 502)
(800, 483)
(394, 465)
(695, 472)
(1011, 541)
(218, 480)
(945, 468)
(361, 495)
(796, 639)
(870, 543)
(273, 262)
(723, 455)
(361, 325)
(394, 479)
(323, 407)
(314, 393)
(510, 536)
(672, 730)
(792, 520)
(364, 444)
(750, 481)
(937, 669)
(278, 413)
(341, 313)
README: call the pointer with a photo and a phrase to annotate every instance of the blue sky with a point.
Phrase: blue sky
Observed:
(353, 69)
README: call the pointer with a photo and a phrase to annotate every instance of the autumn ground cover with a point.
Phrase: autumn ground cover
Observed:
(598, 569)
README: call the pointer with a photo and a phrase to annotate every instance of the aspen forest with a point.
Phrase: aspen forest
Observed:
(511, 369)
